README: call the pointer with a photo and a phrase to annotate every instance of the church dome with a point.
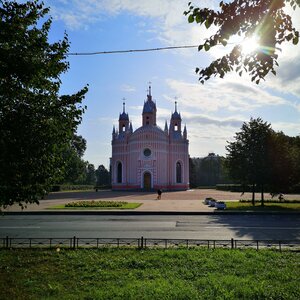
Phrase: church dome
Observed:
(151, 130)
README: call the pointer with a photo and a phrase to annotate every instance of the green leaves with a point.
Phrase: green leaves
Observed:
(243, 18)
(206, 46)
(191, 18)
(36, 123)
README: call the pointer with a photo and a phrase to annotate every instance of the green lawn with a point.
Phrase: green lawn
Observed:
(149, 274)
(273, 206)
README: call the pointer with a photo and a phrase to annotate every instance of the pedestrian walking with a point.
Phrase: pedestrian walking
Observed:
(159, 192)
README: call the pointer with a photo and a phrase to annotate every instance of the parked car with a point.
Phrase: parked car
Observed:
(220, 205)
(212, 203)
(206, 200)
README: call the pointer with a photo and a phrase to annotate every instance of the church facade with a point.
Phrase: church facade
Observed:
(150, 158)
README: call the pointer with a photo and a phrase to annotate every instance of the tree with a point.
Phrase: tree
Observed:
(90, 174)
(248, 158)
(74, 169)
(103, 176)
(266, 20)
(285, 155)
(36, 123)
(208, 171)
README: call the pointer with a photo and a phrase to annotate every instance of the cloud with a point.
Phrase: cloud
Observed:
(219, 95)
(207, 120)
(127, 88)
(167, 20)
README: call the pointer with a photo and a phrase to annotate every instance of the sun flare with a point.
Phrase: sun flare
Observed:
(250, 45)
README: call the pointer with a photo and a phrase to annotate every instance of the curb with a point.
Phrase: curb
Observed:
(145, 213)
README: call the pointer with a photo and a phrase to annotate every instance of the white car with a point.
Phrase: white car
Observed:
(220, 205)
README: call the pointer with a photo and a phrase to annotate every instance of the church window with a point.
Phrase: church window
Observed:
(147, 152)
(178, 172)
(176, 127)
(123, 128)
(119, 172)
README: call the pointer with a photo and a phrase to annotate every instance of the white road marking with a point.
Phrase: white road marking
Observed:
(20, 227)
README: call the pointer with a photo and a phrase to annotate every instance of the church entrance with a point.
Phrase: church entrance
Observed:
(147, 181)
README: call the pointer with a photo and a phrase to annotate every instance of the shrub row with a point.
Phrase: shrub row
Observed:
(234, 188)
(67, 187)
(102, 187)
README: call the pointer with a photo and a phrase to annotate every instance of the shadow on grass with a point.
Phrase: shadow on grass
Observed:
(268, 207)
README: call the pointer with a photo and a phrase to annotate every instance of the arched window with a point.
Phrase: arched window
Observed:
(119, 172)
(176, 127)
(178, 172)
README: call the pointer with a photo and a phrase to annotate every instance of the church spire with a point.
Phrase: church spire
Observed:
(149, 93)
(166, 127)
(185, 132)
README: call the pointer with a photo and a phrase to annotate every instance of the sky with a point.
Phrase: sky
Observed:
(212, 112)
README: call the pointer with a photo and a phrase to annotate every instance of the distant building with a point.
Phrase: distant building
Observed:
(149, 157)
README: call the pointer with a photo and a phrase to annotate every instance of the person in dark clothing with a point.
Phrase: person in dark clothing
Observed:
(159, 192)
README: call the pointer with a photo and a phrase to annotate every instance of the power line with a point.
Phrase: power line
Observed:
(130, 51)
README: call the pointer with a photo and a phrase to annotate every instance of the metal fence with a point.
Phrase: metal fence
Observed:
(76, 243)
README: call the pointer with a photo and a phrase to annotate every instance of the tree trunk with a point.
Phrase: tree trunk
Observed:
(253, 194)
(262, 195)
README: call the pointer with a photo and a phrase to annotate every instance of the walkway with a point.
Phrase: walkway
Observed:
(182, 201)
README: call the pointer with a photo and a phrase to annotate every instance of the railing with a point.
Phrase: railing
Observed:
(76, 242)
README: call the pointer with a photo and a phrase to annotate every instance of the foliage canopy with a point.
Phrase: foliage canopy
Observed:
(261, 157)
(36, 122)
(265, 19)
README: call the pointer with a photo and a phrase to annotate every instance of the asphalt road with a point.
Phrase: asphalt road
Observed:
(280, 227)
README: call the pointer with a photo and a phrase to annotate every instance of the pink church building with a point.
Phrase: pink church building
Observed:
(150, 158)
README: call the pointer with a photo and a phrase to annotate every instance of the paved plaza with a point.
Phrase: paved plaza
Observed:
(181, 201)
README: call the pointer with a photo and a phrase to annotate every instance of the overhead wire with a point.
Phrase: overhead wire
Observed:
(130, 51)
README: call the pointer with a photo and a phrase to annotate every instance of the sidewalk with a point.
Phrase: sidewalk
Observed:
(190, 201)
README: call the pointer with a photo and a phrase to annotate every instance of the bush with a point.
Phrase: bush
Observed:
(66, 187)
(234, 187)
(102, 187)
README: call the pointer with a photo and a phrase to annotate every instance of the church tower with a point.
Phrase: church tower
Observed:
(123, 120)
(149, 110)
(175, 124)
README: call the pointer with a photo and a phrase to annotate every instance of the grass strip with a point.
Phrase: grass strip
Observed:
(269, 206)
(149, 274)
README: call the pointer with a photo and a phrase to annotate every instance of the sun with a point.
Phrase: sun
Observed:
(250, 45)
